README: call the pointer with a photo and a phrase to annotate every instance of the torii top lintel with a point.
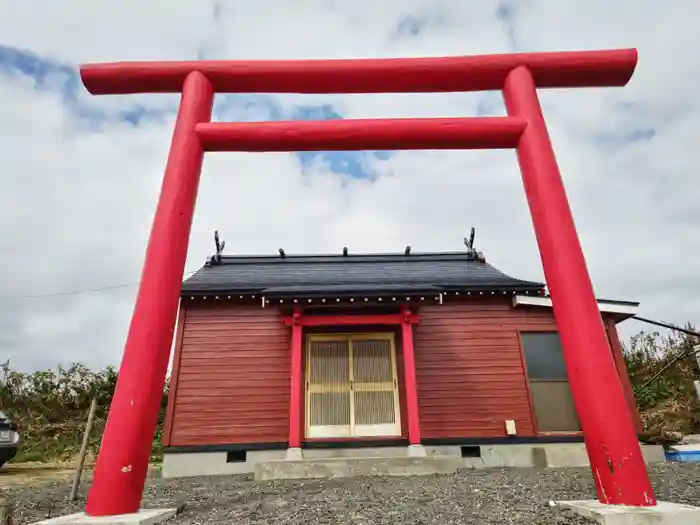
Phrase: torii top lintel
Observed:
(570, 69)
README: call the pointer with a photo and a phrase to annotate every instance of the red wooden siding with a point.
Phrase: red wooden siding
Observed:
(470, 370)
(233, 377)
(231, 372)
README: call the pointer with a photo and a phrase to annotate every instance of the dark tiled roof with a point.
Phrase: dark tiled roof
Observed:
(352, 274)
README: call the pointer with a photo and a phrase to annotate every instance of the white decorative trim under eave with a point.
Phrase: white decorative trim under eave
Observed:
(603, 306)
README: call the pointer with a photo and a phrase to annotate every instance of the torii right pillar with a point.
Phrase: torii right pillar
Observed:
(618, 467)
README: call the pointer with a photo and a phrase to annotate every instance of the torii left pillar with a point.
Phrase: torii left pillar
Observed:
(122, 464)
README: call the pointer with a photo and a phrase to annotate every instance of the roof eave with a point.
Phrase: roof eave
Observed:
(618, 311)
(516, 287)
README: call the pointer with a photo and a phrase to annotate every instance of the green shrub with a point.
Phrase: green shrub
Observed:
(669, 402)
(51, 408)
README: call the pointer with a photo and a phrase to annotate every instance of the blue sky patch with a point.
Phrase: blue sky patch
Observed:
(354, 163)
(639, 135)
(506, 14)
(409, 26)
(56, 76)
(614, 140)
(416, 24)
(46, 73)
(630, 123)
(63, 78)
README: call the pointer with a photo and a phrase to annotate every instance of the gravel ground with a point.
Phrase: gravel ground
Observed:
(484, 497)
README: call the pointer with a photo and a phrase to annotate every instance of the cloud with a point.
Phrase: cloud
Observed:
(81, 174)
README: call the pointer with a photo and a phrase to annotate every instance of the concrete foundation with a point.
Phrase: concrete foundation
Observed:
(352, 467)
(360, 452)
(416, 451)
(215, 463)
(474, 456)
(664, 513)
(143, 517)
(294, 454)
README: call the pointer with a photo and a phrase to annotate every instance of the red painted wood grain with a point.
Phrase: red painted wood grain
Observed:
(569, 69)
(363, 134)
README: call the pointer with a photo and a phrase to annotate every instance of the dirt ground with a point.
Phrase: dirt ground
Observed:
(30, 474)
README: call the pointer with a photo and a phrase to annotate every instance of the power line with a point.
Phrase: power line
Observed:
(670, 326)
(693, 351)
(74, 292)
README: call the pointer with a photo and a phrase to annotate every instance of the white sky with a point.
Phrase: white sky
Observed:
(79, 189)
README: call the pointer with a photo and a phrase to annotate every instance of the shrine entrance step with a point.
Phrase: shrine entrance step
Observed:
(354, 467)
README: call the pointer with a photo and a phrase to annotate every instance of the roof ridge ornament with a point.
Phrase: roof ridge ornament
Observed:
(469, 243)
(216, 258)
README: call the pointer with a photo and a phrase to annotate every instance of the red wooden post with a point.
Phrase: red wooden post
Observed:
(126, 446)
(296, 384)
(409, 368)
(622, 372)
(616, 458)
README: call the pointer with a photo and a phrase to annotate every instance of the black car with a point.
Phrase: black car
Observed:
(9, 439)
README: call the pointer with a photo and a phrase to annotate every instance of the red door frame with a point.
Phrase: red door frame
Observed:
(405, 320)
(349, 330)
(618, 467)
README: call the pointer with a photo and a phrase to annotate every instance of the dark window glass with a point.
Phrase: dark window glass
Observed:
(543, 356)
(549, 384)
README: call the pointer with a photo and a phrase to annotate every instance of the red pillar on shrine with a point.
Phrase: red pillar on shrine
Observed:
(616, 458)
(122, 464)
(297, 382)
(409, 368)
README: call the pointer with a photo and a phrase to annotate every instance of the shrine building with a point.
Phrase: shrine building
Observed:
(294, 357)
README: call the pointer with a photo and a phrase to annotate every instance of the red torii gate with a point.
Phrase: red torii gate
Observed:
(615, 455)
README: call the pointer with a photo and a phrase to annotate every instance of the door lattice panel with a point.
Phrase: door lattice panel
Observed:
(373, 382)
(351, 386)
(329, 386)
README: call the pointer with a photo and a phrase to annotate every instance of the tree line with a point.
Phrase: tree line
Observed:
(51, 406)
